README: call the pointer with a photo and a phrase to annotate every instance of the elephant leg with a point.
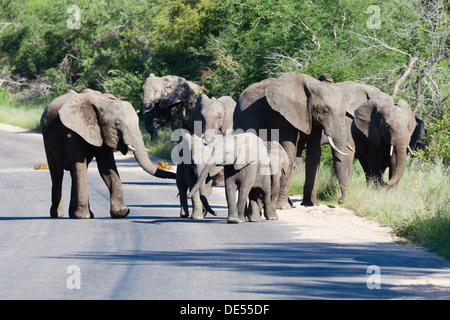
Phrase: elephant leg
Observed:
(254, 210)
(56, 174)
(108, 171)
(266, 198)
(182, 190)
(177, 115)
(207, 192)
(274, 191)
(197, 207)
(79, 198)
(313, 153)
(374, 162)
(285, 181)
(230, 193)
(243, 195)
(153, 123)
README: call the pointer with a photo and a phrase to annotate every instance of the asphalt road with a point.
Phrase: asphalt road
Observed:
(154, 254)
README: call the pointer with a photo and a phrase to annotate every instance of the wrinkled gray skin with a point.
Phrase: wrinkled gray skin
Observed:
(378, 125)
(279, 164)
(355, 95)
(167, 99)
(193, 156)
(247, 169)
(214, 115)
(78, 127)
(299, 107)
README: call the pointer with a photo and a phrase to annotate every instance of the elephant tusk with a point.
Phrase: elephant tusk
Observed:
(410, 150)
(351, 148)
(391, 151)
(131, 147)
(330, 140)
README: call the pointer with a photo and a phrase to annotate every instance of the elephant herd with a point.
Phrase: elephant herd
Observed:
(250, 144)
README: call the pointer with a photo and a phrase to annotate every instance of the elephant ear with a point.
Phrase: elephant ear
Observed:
(289, 95)
(229, 105)
(250, 149)
(244, 156)
(176, 90)
(366, 120)
(412, 118)
(78, 115)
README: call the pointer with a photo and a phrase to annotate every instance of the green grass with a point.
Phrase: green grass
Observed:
(22, 113)
(162, 147)
(418, 210)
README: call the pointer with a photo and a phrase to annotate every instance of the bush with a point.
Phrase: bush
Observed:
(436, 141)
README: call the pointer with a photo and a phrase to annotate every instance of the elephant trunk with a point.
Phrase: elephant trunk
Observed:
(398, 165)
(146, 106)
(141, 156)
(202, 177)
(339, 159)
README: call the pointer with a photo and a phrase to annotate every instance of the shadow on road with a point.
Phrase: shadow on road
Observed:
(312, 270)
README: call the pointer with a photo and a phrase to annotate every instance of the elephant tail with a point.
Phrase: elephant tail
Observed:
(206, 205)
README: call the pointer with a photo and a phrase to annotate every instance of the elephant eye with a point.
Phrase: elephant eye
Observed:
(118, 124)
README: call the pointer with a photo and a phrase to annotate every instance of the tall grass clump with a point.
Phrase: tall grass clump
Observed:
(19, 111)
(417, 210)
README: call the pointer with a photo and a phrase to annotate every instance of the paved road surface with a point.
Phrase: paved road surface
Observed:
(154, 254)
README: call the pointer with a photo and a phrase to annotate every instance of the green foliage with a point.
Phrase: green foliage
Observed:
(437, 141)
(227, 45)
(5, 96)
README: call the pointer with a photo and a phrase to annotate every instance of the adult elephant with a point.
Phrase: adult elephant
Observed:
(382, 132)
(78, 127)
(214, 115)
(298, 107)
(357, 94)
(167, 99)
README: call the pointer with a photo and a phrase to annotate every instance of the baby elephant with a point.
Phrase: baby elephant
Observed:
(192, 158)
(247, 167)
(279, 164)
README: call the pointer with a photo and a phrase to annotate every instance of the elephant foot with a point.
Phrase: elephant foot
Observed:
(119, 214)
(309, 203)
(81, 214)
(197, 216)
(284, 204)
(254, 217)
(56, 214)
(273, 217)
(236, 218)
